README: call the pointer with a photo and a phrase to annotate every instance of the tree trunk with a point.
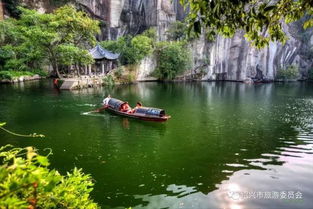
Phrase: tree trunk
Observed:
(54, 63)
(77, 70)
(56, 69)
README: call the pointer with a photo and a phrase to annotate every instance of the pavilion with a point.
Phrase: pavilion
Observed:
(103, 60)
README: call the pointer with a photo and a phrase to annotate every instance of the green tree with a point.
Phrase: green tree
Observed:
(172, 58)
(36, 38)
(71, 55)
(132, 49)
(260, 20)
(27, 182)
(142, 46)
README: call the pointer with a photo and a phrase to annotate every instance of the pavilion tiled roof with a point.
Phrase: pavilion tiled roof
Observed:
(99, 53)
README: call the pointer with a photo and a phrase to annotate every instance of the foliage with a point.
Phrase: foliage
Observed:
(150, 33)
(70, 55)
(260, 20)
(132, 49)
(118, 72)
(179, 31)
(173, 58)
(59, 38)
(14, 74)
(142, 46)
(108, 80)
(40, 72)
(131, 78)
(27, 182)
(291, 72)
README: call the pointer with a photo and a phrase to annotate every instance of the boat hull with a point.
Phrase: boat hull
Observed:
(137, 116)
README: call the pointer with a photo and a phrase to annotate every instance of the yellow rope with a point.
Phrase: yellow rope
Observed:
(34, 135)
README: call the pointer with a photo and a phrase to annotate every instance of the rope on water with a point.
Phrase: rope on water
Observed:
(33, 135)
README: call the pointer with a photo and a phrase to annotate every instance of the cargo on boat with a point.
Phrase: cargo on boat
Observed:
(144, 113)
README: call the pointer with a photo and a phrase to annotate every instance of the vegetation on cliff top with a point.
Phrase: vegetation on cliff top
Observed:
(261, 21)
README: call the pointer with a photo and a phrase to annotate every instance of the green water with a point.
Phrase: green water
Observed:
(223, 141)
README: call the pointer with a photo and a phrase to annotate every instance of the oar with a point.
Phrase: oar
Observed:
(96, 110)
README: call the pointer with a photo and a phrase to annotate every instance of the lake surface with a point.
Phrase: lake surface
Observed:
(227, 145)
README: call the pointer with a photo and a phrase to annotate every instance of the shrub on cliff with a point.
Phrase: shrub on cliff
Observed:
(291, 72)
(178, 31)
(27, 182)
(132, 49)
(172, 58)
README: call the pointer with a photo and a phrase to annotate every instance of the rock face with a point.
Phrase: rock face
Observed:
(145, 69)
(133, 16)
(234, 59)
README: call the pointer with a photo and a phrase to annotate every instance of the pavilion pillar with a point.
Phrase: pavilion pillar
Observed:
(102, 68)
(109, 66)
(89, 70)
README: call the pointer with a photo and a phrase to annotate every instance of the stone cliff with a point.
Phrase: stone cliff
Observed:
(234, 59)
(224, 59)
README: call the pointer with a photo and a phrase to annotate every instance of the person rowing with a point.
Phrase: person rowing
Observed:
(106, 101)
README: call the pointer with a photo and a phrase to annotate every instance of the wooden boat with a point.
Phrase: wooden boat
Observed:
(143, 113)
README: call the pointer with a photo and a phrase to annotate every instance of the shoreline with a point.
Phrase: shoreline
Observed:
(21, 79)
(37, 77)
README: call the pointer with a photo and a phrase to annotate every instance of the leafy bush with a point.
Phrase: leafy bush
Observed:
(27, 182)
(14, 74)
(172, 58)
(291, 72)
(108, 80)
(40, 72)
(131, 78)
(132, 49)
(5, 75)
(178, 31)
(119, 72)
(16, 65)
(142, 46)
(150, 33)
